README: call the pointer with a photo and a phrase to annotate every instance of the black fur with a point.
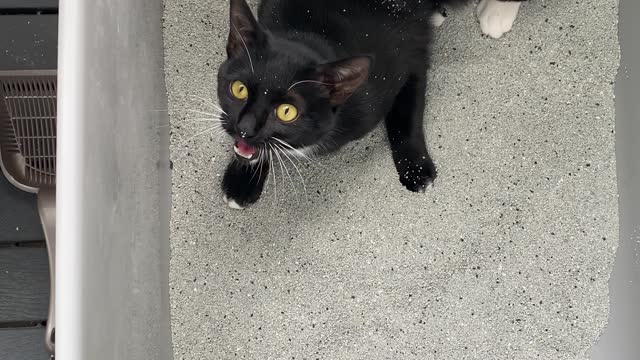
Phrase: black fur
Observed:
(369, 59)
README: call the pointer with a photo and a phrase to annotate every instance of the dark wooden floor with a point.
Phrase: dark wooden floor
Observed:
(28, 40)
(24, 277)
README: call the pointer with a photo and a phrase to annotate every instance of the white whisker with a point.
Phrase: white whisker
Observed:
(295, 151)
(200, 133)
(307, 81)
(219, 108)
(218, 128)
(262, 158)
(201, 98)
(210, 103)
(275, 180)
(211, 130)
(296, 167)
(258, 167)
(204, 113)
(245, 47)
(283, 167)
(216, 121)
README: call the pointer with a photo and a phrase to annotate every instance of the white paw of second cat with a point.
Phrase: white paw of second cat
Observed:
(497, 17)
(438, 19)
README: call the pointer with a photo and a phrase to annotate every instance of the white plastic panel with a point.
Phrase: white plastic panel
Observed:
(113, 183)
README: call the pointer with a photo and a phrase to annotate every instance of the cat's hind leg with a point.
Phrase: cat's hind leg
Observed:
(497, 17)
(405, 131)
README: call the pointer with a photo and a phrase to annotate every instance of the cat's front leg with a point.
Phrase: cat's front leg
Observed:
(497, 17)
(243, 183)
(405, 131)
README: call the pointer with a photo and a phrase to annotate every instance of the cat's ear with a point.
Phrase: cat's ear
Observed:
(344, 77)
(244, 30)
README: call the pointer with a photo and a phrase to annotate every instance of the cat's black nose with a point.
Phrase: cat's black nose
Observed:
(247, 127)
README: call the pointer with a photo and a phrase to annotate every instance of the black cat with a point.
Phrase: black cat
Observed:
(311, 76)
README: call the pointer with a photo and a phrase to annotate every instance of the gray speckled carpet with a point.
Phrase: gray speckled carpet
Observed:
(507, 257)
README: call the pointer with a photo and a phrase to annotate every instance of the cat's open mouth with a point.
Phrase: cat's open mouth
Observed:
(244, 150)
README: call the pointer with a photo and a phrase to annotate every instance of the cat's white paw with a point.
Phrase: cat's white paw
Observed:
(438, 19)
(231, 203)
(497, 17)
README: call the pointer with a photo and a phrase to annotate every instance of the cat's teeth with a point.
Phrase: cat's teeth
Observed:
(237, 150)
(244, 150)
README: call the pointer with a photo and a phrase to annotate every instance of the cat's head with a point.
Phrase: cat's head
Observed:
(277, 93)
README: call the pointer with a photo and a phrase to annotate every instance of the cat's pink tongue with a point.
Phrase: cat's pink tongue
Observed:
(243, 149)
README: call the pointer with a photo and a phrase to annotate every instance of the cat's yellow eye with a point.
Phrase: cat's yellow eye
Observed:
(287, 112)
(239, 90)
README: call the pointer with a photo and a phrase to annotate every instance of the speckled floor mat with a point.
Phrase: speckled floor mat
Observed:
(507, 257)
